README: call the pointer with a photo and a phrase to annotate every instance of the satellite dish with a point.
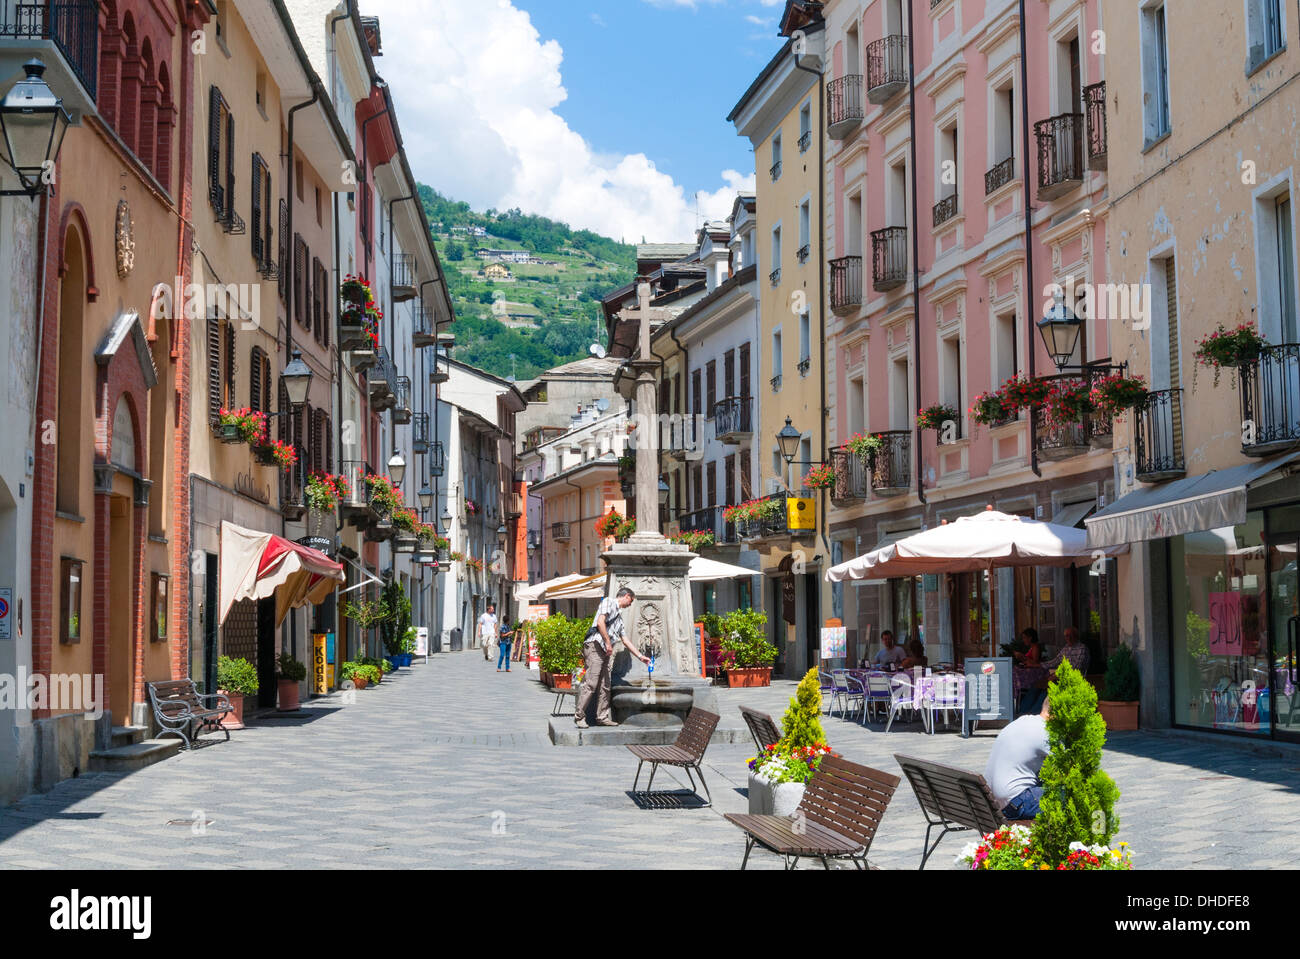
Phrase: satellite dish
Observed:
(602, 405)
(597, 351)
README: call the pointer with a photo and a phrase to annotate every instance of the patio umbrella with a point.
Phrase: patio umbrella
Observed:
(258, 565)
(704, 570)
(987, 540)
(583, 587)
(535, 591)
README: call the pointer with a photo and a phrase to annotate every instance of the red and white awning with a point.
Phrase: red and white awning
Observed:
(258, 565)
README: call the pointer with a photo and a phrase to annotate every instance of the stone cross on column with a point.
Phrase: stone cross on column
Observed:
(647, 433)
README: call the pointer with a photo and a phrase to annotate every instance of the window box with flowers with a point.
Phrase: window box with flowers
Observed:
(355, 315)
(1235, 348)
(614, 525)
(241, 426)
(385, 498)
(937, 418)
(820, 477)
(1023, 393)
(278, 454)
(1112, 395)
(992, 409)
(324, 492)
(695, 540)
(1063, 418)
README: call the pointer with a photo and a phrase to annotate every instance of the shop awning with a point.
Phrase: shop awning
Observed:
(1213, 500)
(583, 587)
(704, 570)
(985, 541)
(259, 565)
(534, 592)
(1073, 514)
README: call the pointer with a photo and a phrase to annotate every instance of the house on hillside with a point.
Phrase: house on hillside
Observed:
(496, 271)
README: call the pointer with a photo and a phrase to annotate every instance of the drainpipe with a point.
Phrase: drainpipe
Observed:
(916, 252)
(821, 273)
(1029, 232)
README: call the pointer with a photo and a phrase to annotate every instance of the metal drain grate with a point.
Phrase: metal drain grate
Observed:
(189, 822)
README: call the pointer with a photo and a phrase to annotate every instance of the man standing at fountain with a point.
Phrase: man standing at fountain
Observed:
(598, 656)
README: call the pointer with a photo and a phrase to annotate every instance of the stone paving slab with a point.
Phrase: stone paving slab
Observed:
(449, 764)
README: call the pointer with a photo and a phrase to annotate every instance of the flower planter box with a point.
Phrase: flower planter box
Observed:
(751, 676)
(265, 455)
(1119, 717)
(773, 799)
(230, 435)
(235, 720)
(561, 681)
(288, 699)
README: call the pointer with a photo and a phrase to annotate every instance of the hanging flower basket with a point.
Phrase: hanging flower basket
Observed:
(934, 417)
(246, 425)
(1116, 394)
(864, 447)
(820, 477)
(282, 455)
(1024, 393)
(991, 408)
(1235, 348)
(608, 524)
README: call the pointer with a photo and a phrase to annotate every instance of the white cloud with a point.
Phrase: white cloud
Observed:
(477, 89)
(598, 20)
(758, 21)
(688, 4)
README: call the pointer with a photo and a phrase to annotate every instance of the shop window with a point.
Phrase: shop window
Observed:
(72, 572)
(158, 633)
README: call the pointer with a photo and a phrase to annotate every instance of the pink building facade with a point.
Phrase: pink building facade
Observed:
(944, 123)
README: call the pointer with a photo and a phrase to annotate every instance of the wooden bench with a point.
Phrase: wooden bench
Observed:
(952, 800)
(180, 708)
(837, 818)
(762, 727)
(687, 752)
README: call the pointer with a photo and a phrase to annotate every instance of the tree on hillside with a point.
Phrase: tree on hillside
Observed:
(455, 252)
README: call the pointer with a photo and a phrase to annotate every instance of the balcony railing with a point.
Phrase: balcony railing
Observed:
(1094, 102)
(843, 106)
(886, 67)
(1270, 400)
(72, 25)
(945, 209)
(851, 477)
(291, 487)
(891, 466)
(804, 252)
(423, 331)
(709, 520)
(846, 285)
(889, 258)
(560, 532)
(1000, 175)
(1060, 154)
(1158, 436)
(732, 419)
(403, 277)
(437, 459)
(382, 379)
(775, 171)
(805, 141)
(420, 433)
(678, 435)
(1058, 441)
(402, 400)
(805, 366)
(775, 276)
(357, 506)
(776, 383)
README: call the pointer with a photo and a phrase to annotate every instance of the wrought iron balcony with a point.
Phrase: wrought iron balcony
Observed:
(945, 209)
(292, 481)
(437, 459)
(1094, 102)
(804, 252)
(891, 466)
(54, 31)
(1060, 155)
(1158, 437)
(1270, 400)
(843, 107)
(886, 68)
(805, 366)
(404, 277)
(776, 171)
(358, 505)
(420, 433)
(560, 532)
(710, 520)
(1058, 441)
(732, 419)
(846, 285)
(423, 331)
(889, 258)
(851, 476)
(1000, 175)
(382, 380)
(805, 141)
(776, 383)
(402, 400)
(775, 276)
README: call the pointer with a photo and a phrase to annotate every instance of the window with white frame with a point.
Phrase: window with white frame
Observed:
(1275, 250)
(805, 127)
(805, 342)
(775, 274)
(776, 359)
(805, 229)
(950, 385)
(857, 406)
(900, 402)
(1006, 358)
(1002, 128)
(776, 157)
(1155, 73)
(1265, 31)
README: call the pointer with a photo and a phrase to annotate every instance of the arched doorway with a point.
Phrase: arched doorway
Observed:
(123, 648)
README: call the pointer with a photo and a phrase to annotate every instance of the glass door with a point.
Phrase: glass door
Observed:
(1280, 696)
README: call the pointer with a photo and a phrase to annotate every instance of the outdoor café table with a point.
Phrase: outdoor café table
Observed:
(1023, 677)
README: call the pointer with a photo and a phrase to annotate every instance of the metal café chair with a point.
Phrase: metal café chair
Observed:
(853, 695)
(902, 696)
(827, 685)
(943, 693)
(879, 693)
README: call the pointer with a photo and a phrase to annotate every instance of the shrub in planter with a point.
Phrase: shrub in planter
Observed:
(290, 674)
(1119, 706)
(743, 643)
(802, 724)
(559, 643)
(778, 777)
(236, 678)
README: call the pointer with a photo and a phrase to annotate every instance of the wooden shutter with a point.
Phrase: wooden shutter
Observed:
(1175, 368)
(698, 407)
(744, 369)
(214, 369)
(230, 163)
(325, 299)
(299, 267)
(255, 380)
(329, 445)
(266, 382)
(729, 480)
(699, 486)
(265, 226)
(214, 147)
(712, 472)
(256, 231)
(729, 374)
(283, 260)
(317, 296)
(711, 388)
(746, 483)
(282, 422)
(230, 363)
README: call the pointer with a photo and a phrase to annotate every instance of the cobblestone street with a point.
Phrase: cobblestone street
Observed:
(448, 765)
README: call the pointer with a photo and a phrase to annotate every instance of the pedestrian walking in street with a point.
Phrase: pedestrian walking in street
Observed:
(487, 630)
(506, 642)
(598, 655)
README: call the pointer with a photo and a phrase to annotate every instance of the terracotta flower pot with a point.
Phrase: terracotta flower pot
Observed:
(750, 676)
(288, 695)
(359, 682)
(235, 720)
(562, 680)
(1119, 717)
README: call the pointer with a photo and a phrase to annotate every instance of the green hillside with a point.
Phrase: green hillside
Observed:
(544, 313)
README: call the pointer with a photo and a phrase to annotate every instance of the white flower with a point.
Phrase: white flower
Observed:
(967, 854)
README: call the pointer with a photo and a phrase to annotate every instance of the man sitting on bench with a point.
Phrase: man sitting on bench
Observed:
(1012, 772)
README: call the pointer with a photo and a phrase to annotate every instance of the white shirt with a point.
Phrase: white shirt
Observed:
(1017, 756)
(613, 622)
(487, 625)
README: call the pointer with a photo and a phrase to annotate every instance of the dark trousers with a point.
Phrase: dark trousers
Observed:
(1024, 806)
(503, 658)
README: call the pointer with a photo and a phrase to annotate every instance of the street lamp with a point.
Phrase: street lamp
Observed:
(1060, 329)
(501, 535)
(788, 441)
(663, 492)
(425, 496)
(32, 125)
(397, 468)
(296, 379)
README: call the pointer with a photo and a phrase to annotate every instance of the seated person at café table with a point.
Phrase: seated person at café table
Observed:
(1033, 654)
(889, 655)
(916, 658)
(1029, 684)
(1014, 763)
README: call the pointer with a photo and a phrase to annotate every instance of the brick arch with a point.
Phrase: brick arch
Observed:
(122, 377)
(74, 216)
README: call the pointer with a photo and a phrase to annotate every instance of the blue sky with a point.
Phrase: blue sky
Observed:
(609, 116)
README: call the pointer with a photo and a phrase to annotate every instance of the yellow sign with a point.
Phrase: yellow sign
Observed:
(320, 670)
(801, 513)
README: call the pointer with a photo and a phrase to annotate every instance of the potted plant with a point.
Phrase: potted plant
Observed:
(368, 614)
(820, 477)
(865, 447)
(559, 648)
(385, 498)
(777, 778)
(607, 526)
(1235, 348)
(291, 673)
(392, 629)
(349, 672)
(1119, 702)
(991, 409)
(1116, 394)
(236, 678)
(746, 653)
(1024, 393)
(934, 417)
(243, 425)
